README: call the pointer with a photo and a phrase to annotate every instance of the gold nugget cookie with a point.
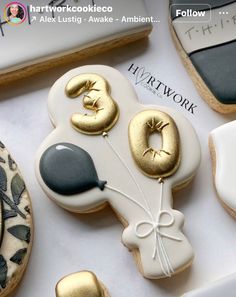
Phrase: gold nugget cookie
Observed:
(81, 284)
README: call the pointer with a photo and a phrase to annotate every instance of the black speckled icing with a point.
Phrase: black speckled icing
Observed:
(68, 169)
(200, 5)
(217, 67)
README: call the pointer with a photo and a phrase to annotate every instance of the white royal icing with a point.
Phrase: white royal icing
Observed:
(196, 33)
(224, 143)
(153, 227)
(223, 287)
(28, 44)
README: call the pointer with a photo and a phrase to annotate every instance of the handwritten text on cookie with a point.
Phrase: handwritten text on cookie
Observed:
(210, 29)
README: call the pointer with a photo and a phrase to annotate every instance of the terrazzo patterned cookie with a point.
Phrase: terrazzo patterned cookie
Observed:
(67, 31)
(105, 156)
(222, 148)
(223, 287)
(16, 224)
(207, 46)
(81, 284)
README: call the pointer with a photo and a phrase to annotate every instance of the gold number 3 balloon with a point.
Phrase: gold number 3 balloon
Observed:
(91, 159)
(98, 99)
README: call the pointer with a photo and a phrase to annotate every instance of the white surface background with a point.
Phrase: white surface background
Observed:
(66, 243)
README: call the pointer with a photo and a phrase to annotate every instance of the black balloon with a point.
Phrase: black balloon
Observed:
(68, 169)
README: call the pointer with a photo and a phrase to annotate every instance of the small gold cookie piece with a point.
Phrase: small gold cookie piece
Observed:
(80, 284)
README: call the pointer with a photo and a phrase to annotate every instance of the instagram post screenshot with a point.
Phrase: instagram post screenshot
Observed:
(117, 144)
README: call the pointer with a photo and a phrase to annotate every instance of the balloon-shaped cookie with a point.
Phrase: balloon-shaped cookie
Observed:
(105, 155)
(16, 224)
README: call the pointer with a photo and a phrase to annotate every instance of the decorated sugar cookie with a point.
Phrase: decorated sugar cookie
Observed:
(16, 224)
(223, 287)
(78, 28)
(81, 284)
(103, 154)
(222, 148)
(205, 36)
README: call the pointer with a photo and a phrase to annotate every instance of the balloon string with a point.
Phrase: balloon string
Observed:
(169, 269)
(155, 228)
(129, 198)
(105, 136)
(159, 248)
(161, 181)
(161, 251)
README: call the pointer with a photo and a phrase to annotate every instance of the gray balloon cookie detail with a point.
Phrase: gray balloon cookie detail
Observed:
(68, 169)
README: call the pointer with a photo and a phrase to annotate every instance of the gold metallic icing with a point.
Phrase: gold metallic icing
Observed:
(153, 162)
(98, 99)
(81, 284)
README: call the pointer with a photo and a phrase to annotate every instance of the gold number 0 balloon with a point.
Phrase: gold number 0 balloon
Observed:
(105, 110)
(155, 163)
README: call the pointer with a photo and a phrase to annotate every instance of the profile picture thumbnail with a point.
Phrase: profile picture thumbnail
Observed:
(15, 13)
